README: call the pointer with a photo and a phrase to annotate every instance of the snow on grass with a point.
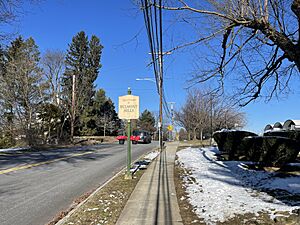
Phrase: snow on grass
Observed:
(151, 155)
(221, 189)
(13, 149)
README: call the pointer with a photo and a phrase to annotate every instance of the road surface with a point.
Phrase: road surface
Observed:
(35, 186)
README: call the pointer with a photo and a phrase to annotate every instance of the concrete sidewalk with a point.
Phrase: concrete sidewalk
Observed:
(154, 200)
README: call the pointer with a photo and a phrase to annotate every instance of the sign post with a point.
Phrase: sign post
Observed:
(128, 109)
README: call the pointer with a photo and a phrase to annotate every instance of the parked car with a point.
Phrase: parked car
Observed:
(137, 136)
(142, 136)
(121, 137)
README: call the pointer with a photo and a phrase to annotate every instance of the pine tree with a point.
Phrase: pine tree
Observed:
(106, 119)
(82, 68)
(147, 121)
(23, 87)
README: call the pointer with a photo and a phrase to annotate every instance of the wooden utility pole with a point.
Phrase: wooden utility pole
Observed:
(73, 114)
(160, 85)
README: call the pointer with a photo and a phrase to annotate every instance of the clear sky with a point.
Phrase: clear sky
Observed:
(53, 23)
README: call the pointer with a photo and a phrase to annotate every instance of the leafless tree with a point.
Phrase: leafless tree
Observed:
(253, 44)
(53, 65)
(184, 119)
(10, 13)
(204, 113)
(194, 115)
(225, 114)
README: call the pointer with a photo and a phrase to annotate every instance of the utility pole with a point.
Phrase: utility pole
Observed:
(160, 91)
(160, 55)
(73, 106)
(211, 118)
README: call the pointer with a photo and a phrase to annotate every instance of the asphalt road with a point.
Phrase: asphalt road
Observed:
(35, 186)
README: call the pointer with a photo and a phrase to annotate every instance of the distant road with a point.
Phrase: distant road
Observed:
(35, 186)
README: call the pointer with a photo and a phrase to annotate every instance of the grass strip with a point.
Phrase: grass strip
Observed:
(105, 206)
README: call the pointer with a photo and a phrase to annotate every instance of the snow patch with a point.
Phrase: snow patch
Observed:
(151, 155)
(220, 189)
(13, 149)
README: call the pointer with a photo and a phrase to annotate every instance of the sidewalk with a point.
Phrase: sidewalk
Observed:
(154, 200)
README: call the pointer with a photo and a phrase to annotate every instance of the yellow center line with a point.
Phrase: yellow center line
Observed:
(41, 163)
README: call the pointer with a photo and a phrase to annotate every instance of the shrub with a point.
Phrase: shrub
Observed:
(5, 142)
(229, 142)
(270, 150)
(292, 134)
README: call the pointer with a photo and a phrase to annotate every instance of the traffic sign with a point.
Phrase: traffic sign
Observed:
(170, 128)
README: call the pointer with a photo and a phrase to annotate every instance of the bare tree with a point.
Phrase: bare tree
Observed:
(184, 119)
(53, 65)
(199, 108)
(194, 115)
(204, 113)
(225, 114)
(256, 42)
(10, 13)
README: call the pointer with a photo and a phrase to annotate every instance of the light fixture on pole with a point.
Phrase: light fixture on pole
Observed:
(146, 79)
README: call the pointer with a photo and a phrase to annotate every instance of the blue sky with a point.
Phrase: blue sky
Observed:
(53, 23)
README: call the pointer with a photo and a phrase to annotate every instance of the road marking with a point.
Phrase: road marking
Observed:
(41, 163)
(2, 153)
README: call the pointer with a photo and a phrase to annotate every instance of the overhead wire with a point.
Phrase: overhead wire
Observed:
(150, 39)
(154, 27)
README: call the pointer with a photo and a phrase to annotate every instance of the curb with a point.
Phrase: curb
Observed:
(63, 220)
(60, 222)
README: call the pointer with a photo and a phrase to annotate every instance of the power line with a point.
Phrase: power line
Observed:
(154, 28)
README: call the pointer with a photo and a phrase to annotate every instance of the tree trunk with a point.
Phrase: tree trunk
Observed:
(73, 106)
(201, 134)
(194, 133)
(104, 129)
(62, 129)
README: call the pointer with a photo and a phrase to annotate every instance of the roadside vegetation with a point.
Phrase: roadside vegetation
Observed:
(105, 206)
(49, 98)
(204, 113)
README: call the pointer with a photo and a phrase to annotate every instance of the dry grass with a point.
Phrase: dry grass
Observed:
(193, 144)
(107, 204)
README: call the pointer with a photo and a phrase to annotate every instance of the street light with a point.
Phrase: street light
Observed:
(146, 79)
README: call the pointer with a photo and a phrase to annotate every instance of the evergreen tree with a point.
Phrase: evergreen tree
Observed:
(22, 86)
(100, 118)
(50, 120)
(6, 114)
(82, 68)
(107, 120)
(147, 121)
